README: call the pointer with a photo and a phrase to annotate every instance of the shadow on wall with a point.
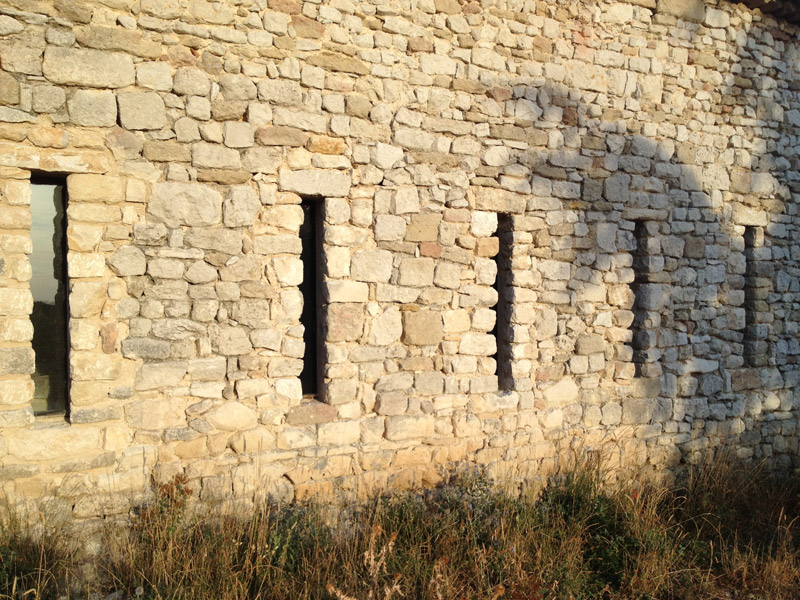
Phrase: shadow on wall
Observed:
(659, 256)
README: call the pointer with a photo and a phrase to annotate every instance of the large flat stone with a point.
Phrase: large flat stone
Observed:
(90, 68)
(193, 204)
(315, 182)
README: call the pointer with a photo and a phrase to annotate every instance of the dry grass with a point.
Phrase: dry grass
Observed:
(726, 530)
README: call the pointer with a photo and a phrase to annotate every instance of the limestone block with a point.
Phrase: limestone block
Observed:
(237, 87)
(23, 55)
(89, 68)
(296, 437)
(17, 417)
(16, 391)
(561, 394)
(386, 328)
(423, 227)
(589, 344)
(407, 427)
(154, 414)
(93, 108)
(586, 76)
(214, 156)
(16, 361)
(200, 272)
(230, 341)
(338, 434)
(9, 89)
(278, 244)
(417, 272)
(487, 58)
(146, 348)
(437, 64)
(48, 98)
(371, 265)
(390, 228)
(346, 291)
(160, 374)
(254, 440)
(15, 302)
(95, 188)
(88, 366)
(208, 369)
(127, 261)
(86, 265)
(341, 391)
(422, 328)
(311, 413)
(280, 91)
(252, 312)
(345, 322)
(9, 25)
(637, 411)
(52, 443)
(478, 344)
(392, 403)
(315, 182)
(288, 270)
(496, 200)
(241, 206)
(232, 416)
(429, 383)
(281, 136)
(688, 10)
(262, 160)
(155, 76)
(87, 298)
(141, 110)
(238, 135)
(192, 204)
(385, 156)
(745, 215)
(189, 81)
(652, 296)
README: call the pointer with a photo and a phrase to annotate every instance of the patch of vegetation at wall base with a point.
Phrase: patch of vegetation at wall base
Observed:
(724, 529)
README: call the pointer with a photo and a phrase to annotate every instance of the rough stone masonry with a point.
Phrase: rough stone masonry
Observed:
(641, 157)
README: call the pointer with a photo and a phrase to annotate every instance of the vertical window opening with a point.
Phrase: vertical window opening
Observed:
(641, 327)
(754, 344)
(310, 238)
(49, 289)
(502, 285)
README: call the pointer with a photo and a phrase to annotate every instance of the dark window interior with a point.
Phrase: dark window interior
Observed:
(502, 285)
(310, 254)
(641, 341)
(49, 289)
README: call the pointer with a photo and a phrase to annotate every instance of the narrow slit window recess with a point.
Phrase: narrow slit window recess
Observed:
(310, 238)
(755, 295)
(502, 285)
(49, 288)
(647, 261)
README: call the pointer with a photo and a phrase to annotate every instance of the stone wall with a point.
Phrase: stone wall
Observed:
(630, 148)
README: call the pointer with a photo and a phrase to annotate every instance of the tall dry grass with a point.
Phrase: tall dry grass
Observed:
(725, 530)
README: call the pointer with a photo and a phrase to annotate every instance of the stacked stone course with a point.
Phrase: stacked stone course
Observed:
(630, 146)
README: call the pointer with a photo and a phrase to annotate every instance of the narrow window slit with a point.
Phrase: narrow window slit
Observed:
(755, 345)
(502, 285)
(49, 288)
(642, 327)
(310, 238)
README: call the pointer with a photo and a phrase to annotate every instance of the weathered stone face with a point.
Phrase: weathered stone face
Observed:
(522, 236)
